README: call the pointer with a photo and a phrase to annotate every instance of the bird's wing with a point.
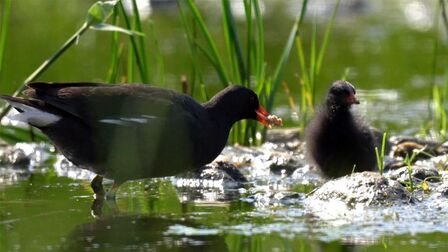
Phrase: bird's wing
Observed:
(114, 104)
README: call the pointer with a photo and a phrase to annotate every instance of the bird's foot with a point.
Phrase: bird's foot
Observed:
(97, 186)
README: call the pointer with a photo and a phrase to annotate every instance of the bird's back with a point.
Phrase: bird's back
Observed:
(121, 131)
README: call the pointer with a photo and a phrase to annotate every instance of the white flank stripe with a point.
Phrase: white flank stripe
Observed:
(128, 120)
(33, 115)
(113, 121)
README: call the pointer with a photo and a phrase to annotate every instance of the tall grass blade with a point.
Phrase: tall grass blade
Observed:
(303, 11)
(97, 11)
(251, 55)
(326, 40)
(312, 73)
(131, 62)
(380, 156)
(141, 40)
(112, 75)
(134, 46)
(233, 38)
(4, 27)
(159, 57)
(259, 45)
(213, 53)
(278, 74)
(196, 73)
(235, 74)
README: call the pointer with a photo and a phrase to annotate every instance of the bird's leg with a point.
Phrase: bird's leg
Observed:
(97, 186)
(97, 207)
(113, 190)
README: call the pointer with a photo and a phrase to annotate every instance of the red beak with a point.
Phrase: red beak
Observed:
(352, 99)
(262, 116)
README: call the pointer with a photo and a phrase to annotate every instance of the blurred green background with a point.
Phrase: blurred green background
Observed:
(388, 47)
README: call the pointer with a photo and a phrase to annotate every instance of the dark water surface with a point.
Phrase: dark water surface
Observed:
(388, 46)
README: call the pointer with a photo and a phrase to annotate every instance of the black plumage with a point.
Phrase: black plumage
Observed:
(336, 140)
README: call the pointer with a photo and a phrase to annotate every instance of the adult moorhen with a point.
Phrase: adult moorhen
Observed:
(133, 131)
(336, 141)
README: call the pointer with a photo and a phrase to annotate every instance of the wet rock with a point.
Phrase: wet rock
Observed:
(418, 172)
(424, 149)
(288, 139)
(442, 190)
(440, 162)
(308, 175)
(216, 174)
(217, 182)
(22, 155)
(228, 169)
(240, 156)
(11, 155)
(366, 188)
(283, 135)
(270, 158)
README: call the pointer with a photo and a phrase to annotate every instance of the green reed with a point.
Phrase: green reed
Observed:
(380, 155)
(241, 61)
(439, 92)
(97, 16)
(247, 65)
(409, 161)
(4, 27)
(310, 70)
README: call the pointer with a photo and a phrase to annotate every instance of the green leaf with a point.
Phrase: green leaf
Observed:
(113, 28)
(4, 27)
(100, 11)
(14, 134)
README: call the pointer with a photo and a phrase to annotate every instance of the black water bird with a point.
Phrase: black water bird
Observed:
(337, 141)
(127, 132)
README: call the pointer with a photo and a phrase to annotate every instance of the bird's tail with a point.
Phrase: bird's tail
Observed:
(31, 111)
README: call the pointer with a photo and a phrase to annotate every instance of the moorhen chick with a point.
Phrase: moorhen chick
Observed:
(131, 131)
(336, 141)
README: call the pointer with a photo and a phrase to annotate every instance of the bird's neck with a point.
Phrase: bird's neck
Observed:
(335, 111)
(219, 114)
(215, 134)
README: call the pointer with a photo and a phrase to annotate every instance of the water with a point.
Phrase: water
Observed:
(388, 46)
(46, 203)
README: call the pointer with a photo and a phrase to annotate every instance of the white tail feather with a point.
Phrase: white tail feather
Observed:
(33, 115)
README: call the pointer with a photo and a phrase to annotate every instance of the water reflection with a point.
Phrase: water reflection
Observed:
(142, 233)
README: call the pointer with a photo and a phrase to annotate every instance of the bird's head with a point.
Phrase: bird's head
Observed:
(342, 94)
(236, 103)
